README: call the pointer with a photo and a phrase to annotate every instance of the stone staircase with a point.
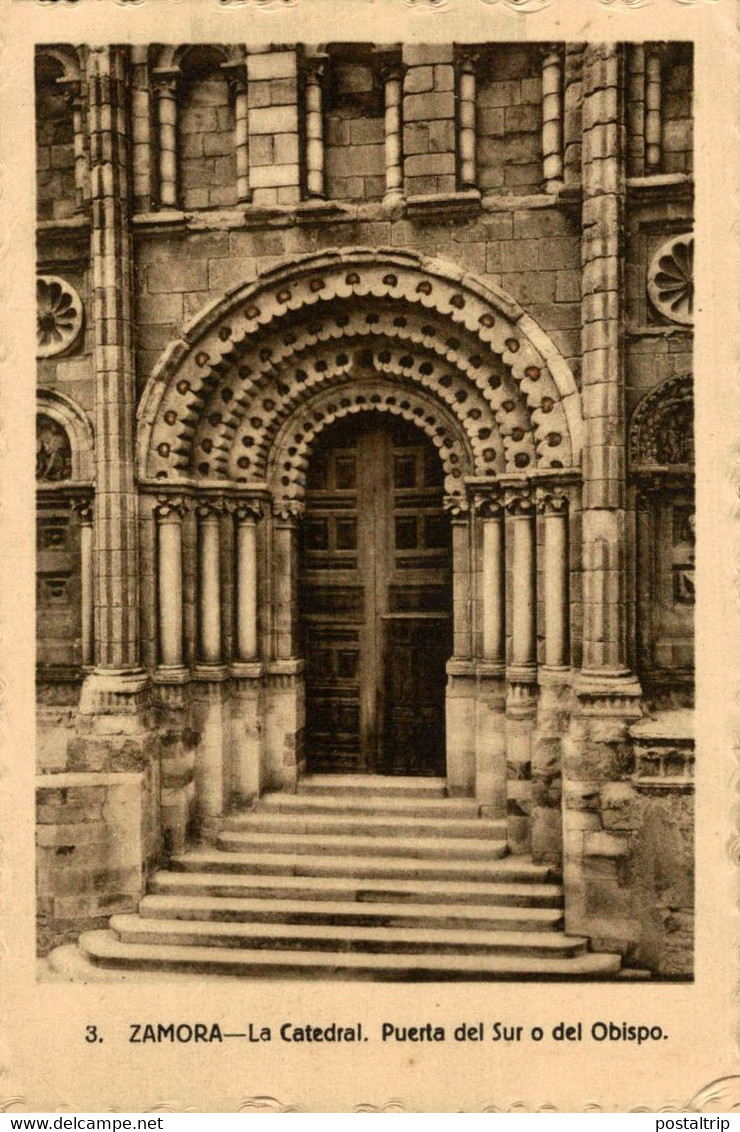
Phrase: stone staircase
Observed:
(353, 877)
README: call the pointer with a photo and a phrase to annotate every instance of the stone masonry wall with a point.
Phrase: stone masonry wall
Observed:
(208, 162)
(355, 133)
(678, 146)
(429, 120)
(90, 845)
(55, 158)
(509, 120)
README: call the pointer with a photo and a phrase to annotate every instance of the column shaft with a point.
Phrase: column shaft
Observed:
(493, 590)
(87, 590)
(116, 504)
(209, 589)
(552, 118)
(167, 120)
(169, 584)
(523, 617)
(314, 129)
(604, 466)
(246, 588)
(557, 576)
(393, 125)
(466, 123)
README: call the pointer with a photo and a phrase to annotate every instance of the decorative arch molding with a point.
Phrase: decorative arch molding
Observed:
(76, 424)
(290, 451)
(173, 58)
(65, 57)
(426, 324)
(661, 432)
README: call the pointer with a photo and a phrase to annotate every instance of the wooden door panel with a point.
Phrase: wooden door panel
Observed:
(416, 652)
(375, 594)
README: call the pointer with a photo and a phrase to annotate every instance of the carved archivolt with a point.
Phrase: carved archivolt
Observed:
(671, 279)
(662, 427)
(58, 315)
(325, 326)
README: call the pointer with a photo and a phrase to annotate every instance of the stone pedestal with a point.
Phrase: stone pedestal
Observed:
(490, 740)
(461, 727)
(284, 753)
(247, 733)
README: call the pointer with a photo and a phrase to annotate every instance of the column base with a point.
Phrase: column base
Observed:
(113, 700)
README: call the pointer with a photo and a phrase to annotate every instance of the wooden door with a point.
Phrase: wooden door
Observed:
(375, 601)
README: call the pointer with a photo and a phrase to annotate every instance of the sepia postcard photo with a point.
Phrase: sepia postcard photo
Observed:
(369, 630)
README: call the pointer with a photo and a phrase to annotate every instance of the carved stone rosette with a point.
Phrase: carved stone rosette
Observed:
(59, 314)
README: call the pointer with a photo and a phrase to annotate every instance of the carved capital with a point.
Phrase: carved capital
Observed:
(207, 509)
(390, 65)
(72, 92)
(491, 504)
(236, 76)
(519, 501)
(248, 510)
(314, 63)
(470, 58)
(552, 502)
(288, 510)
(165, 83)
(457, 506)
(172, 507)
(82, 505)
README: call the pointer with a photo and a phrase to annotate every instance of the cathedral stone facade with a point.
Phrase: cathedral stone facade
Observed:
(365, 457)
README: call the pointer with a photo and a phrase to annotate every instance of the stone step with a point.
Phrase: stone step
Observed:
(344, 937)
(347, 804)
(104, 948)
(408, 847)
(379, 786)
(349, 912)
(367, 825)
(516, 889)
(346, 865)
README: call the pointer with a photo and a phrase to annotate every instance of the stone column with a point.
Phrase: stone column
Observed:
(392, 88)
(166, 95)
(493, 595)
(596, 748)
(74, 100)
(557, 581)
(604, 472)
(84, 509)
(490, 705)
(118, 674)
(467, 134)
(287, 514)
(521, 672)
(461, 674)
(524, 586)
(169, 514)
(314, 118)
(247, 516)
(552, 117)
(653, 121)
(209, 580)
(554, 703)
(239, 92)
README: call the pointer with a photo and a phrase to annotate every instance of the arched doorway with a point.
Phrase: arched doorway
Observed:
(375, 600)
